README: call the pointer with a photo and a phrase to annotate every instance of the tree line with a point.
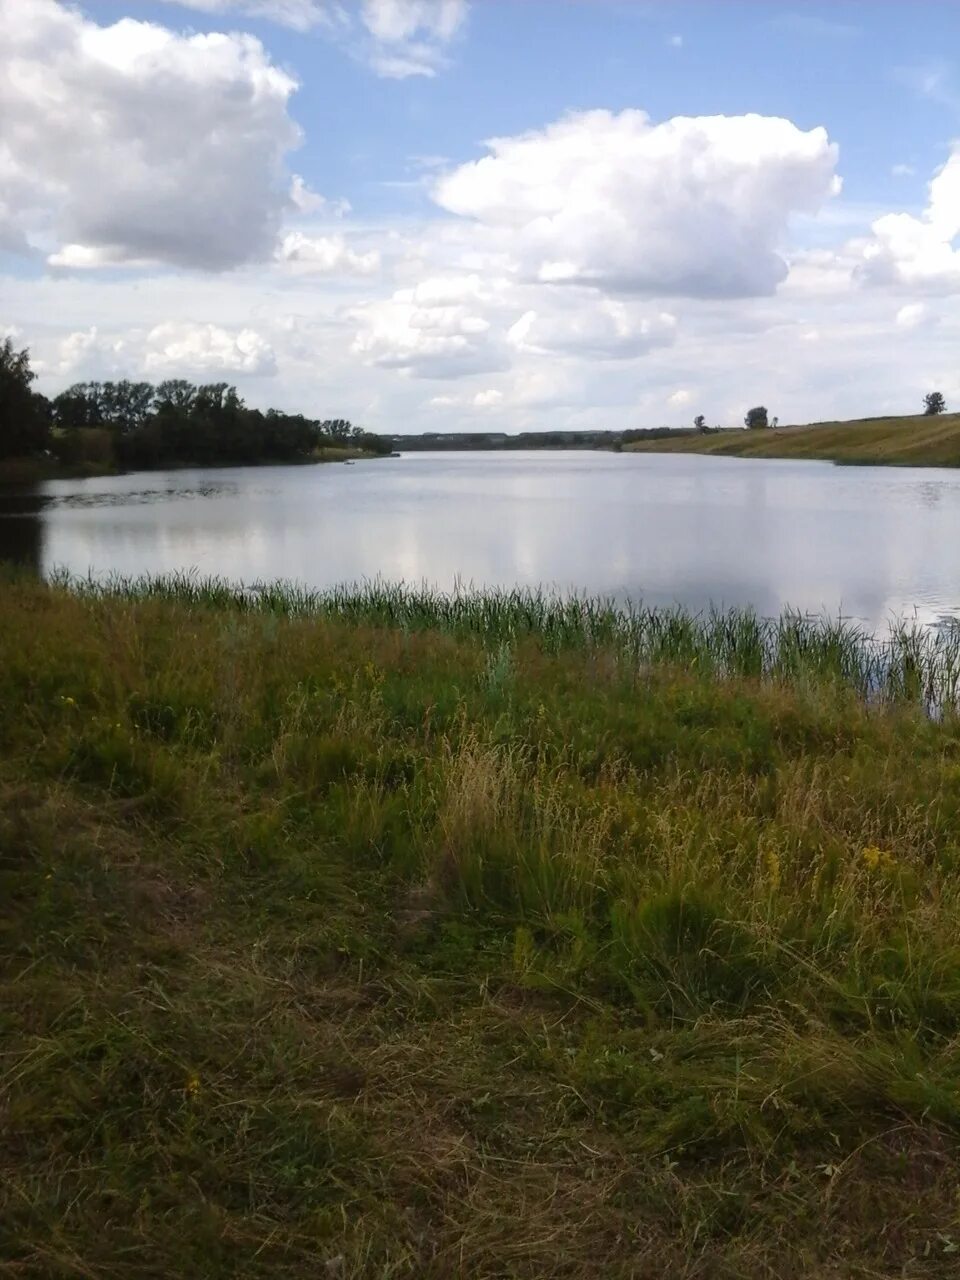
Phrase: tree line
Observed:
(142, 425)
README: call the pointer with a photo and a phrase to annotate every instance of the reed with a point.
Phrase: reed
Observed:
(910, 662)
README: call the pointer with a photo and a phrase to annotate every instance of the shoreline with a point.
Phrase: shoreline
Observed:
(17, 472)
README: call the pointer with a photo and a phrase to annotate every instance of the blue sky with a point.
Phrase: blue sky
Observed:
(692, 206)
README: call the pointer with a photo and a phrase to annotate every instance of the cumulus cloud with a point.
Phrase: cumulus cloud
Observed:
(599, 328)
(86, 353)
(692, 207)
(918, 253)
(326, 255)
(130, 144)
(438, 329)
(174, 349)
(488, 399)
(409, 37)
(306, 201)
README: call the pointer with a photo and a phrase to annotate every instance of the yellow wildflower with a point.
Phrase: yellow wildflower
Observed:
(875, 859)
(192, 1087)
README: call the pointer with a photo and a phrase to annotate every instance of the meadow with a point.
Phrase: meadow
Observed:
(919, 441)
(388, 934)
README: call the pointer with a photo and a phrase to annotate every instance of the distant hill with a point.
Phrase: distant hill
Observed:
(911, 441)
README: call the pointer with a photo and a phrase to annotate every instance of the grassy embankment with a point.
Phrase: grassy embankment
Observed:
(914, 441)
(390, 936)
(26, 471)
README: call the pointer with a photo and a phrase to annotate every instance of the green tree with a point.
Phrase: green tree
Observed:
(176, 393)
(934, 403)
(24, 415)
(700, 423)
(79, 406)
(338, 430)
(757, 418)
(125, 405)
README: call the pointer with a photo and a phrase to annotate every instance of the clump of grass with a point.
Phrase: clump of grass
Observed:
(382, 933)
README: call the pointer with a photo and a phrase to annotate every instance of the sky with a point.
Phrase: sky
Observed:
(504, 215)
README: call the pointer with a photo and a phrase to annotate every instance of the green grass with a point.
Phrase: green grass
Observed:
(383, 934)
(911, 441)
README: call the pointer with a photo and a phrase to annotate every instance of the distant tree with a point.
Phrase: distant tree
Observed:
(124, 406)
(24, 415)
(700, 423)
(372, 443)
(174, 392)
(337, 429)
(934, 403)
(79, 406)
(757, 419)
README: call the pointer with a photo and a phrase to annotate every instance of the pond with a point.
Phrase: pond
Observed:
(868, 542)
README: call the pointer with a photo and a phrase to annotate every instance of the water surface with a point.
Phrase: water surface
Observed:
(869, 542)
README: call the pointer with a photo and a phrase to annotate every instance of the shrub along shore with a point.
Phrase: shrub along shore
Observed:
(382, 934)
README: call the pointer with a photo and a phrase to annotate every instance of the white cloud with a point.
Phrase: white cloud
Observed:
(488, 399)
(306, 201)
(301, 15)
(176, 350)
(397, 38)
(693, 206)
(914, 315)
(88, 353)
(326, 255)
(438, 329)
(903, 170)
(680, 398)
(409, 37)
(918, 253)
(675, 42)
(597, 328)
(129, 143)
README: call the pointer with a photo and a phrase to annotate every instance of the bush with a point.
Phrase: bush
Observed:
(757, 418)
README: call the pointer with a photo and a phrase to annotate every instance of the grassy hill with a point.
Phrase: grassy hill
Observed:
(912, 441)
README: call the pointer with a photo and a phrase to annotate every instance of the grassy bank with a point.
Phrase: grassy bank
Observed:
(27, 471)
(388, 935)
(912, 441)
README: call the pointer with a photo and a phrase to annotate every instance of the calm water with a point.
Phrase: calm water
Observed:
(869, 542)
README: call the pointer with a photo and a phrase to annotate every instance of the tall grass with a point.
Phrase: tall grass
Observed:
(911, 662)
(379, 933)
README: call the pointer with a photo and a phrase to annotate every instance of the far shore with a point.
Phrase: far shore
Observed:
(917, 441)
(27, 471)
(910, 441)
